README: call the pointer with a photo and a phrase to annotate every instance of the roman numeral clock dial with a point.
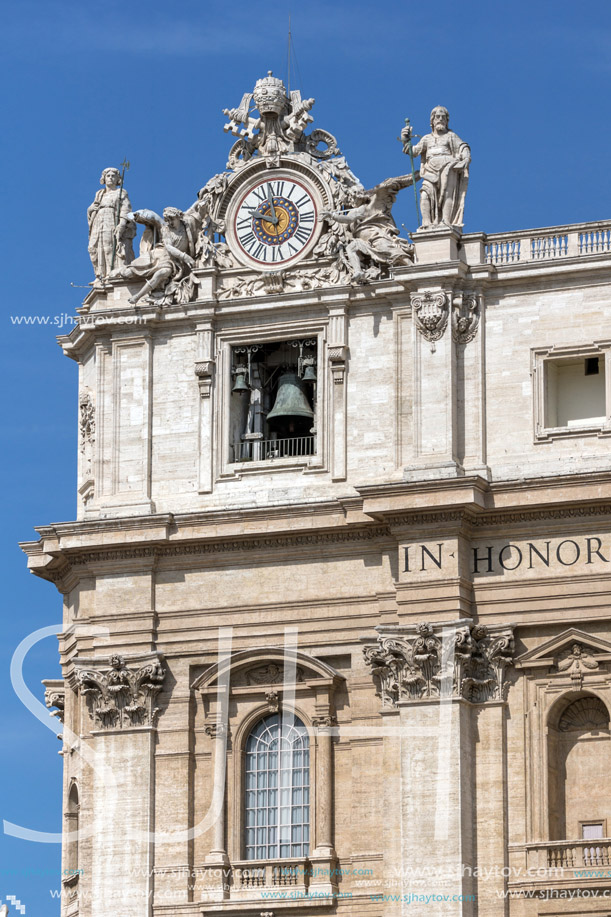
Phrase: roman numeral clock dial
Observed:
(274, 222)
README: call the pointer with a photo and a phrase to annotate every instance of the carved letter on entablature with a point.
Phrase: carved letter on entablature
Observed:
(465, 317)
(122, 695)
(463, 661)
(431, 310)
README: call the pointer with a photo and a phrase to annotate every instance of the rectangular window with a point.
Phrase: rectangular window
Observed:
(575, 393)
(571, 392)
(592, 831)
(272, 412)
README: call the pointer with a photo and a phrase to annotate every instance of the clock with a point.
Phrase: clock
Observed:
(273, 219)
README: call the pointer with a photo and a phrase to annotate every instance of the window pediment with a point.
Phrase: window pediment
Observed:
(553, 652)
(260, 669)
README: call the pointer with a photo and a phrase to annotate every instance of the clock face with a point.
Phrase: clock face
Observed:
(274, 222)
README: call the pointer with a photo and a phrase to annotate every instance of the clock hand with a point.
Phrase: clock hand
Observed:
(257, 215)
(270, 198)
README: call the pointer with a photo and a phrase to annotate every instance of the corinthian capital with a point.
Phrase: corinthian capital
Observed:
(460, 661)
(119, 694)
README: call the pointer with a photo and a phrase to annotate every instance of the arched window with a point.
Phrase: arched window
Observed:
(277, 789)
(579, 779)
(72, 822)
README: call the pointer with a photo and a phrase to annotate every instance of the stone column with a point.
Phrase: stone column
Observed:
(491, 791)
(437, 803)
(323, 858)
(205, 371)
(122, 822)
(215, 887)
(337, 353)
(324, 789)
(121, 699)
(435, 403)
(440, 678)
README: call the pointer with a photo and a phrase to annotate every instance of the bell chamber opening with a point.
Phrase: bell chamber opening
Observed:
(273, 400)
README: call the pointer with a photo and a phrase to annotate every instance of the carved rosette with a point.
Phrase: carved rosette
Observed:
(470, 665)
(120, 695)
(465, 317)
(431, 310)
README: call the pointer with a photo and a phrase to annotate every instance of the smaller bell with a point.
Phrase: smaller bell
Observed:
(309, 374)
(240, 384)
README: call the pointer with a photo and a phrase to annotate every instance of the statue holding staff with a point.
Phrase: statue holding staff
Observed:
(111, 234)
(444, 170)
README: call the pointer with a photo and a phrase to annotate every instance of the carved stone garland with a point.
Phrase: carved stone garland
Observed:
(120, 696)
(415, 667)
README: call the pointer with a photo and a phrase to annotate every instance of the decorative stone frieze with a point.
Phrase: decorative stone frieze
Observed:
(465, 317)
(427, 665)
(122, 696)
(271, 674)
(431, 309)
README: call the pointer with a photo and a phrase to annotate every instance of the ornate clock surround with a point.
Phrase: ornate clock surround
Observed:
(291, 170)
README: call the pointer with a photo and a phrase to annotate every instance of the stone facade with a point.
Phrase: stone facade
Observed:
(424, 584)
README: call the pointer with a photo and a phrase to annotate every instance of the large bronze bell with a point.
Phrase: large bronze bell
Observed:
(291, 414)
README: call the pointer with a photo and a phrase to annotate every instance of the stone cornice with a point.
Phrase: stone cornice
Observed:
(376, 514)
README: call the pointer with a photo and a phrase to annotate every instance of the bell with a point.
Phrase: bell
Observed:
(309, 374)
(291, 413)
(240, 384)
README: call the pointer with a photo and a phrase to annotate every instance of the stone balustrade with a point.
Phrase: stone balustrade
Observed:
(577, 240)
(581, 854)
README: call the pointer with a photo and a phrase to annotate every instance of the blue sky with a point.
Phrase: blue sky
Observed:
(526, 83)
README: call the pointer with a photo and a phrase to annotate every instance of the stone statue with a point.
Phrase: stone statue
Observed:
(167, 253)
(110, 232)
(444, 170)
(373, 241)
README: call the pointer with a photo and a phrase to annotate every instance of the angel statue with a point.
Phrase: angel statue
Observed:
(373, 237)
(167, 254)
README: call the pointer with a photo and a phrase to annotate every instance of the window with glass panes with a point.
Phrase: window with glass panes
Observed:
(278, 789)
